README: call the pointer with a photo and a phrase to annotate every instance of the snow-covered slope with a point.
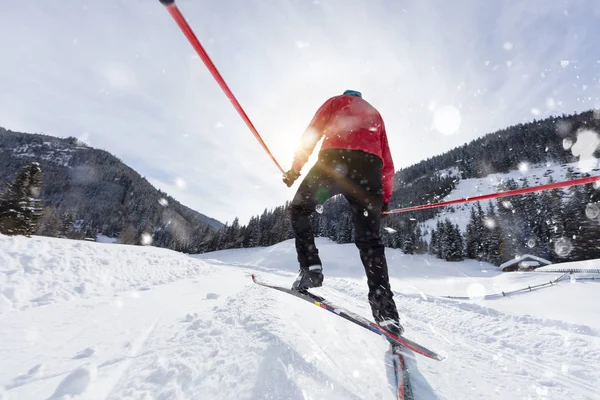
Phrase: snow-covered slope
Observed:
(535, 174)
(125, 322)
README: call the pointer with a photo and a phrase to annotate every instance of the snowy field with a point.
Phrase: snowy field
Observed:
(106, 321)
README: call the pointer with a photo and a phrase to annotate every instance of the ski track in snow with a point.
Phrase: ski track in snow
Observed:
(540, 356)
(169, 326)
(238, 353)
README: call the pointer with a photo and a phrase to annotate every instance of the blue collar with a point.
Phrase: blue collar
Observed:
(353, 93)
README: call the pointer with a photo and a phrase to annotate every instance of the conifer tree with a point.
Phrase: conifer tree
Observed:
(20, 206)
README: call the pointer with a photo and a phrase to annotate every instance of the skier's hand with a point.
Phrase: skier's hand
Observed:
(290, 177)
(385, 207)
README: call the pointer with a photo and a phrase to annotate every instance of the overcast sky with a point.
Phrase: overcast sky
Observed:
(119, 75)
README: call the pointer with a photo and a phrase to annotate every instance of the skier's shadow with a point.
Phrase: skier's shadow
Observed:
(420, 387)
(285, 375)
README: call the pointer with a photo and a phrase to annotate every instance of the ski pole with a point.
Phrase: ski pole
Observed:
(516, 192)
(189, 34)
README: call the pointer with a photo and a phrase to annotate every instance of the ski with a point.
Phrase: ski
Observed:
(357, 319)
(403, 387)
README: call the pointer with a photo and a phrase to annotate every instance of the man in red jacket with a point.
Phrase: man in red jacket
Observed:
(355, 161)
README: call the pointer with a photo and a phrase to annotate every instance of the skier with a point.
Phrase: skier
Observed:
(355, 161)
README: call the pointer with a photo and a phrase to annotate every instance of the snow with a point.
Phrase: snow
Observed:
(535, 174)
(106, 239)
(43, 270)
(522, 260)
(152, 323)
(49, 151)
(580, 265)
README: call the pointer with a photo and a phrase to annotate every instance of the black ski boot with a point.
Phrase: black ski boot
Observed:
(392, 326)
(310, 277)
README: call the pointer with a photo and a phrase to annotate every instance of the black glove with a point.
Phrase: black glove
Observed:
(290, 177)
(385, 207)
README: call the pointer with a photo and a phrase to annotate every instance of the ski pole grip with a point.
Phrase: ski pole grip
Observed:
(167, 2)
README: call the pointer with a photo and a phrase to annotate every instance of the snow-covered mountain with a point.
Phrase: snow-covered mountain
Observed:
(97, 193)
(535, 175)
(96, 320)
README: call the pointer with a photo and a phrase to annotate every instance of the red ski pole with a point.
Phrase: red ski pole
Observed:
(189, 34)
(516, 192)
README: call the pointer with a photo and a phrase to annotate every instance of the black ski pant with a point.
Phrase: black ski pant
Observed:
(356, 175)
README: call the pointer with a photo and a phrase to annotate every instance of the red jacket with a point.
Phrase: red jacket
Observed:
(349, 122)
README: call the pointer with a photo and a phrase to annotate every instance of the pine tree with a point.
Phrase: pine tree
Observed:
(49, 223)
(452, 243)
(472, 236)
(442, 240)
(492, 242)
(20, 206)
(434, 243)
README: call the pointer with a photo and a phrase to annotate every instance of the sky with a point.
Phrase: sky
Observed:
(120, 76)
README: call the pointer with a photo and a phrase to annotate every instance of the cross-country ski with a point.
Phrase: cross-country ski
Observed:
(354, 318)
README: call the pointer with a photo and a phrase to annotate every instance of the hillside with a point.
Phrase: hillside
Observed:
(534, 174)
(113, 321)
(98, 194)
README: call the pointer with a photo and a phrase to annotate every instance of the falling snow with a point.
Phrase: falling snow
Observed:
(146, 239)
(476, 291)
(489, 223)
(447, 119)
(563, 247)
(523, 167)
(180, 183)
(567, 143)
(592, 210)
(563, 128)
(587, 143)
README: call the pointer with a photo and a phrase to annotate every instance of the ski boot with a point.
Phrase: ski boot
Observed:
(392, 326)
(310, 277)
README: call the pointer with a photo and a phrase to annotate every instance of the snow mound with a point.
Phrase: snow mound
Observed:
(39, 271)
(590, 266)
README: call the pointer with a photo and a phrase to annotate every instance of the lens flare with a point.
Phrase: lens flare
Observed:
(447, 120)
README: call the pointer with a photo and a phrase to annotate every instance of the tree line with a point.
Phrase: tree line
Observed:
(558, 225)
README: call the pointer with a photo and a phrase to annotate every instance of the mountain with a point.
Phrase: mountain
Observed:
(95, 193)
(537, 142)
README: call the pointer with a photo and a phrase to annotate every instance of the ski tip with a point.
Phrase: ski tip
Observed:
(167, 2)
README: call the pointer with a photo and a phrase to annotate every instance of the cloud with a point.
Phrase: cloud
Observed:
(123, 74)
